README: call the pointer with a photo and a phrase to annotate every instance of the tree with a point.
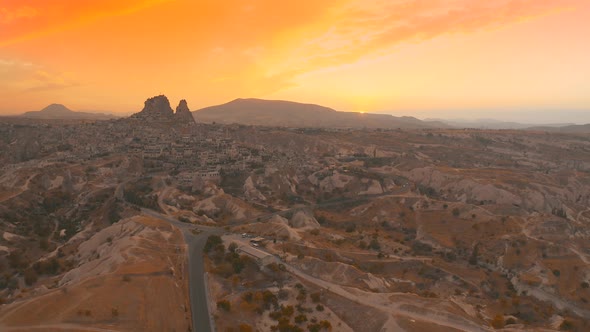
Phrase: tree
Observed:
(30, 276)
(374, 244)
(315, 297)
(301, 318)
(224, 305)
(212, 242)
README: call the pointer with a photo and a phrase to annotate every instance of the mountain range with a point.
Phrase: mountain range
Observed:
(291, 114)
(281, 113)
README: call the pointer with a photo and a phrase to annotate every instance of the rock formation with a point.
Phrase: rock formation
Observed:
(183, 113)
(158, 109)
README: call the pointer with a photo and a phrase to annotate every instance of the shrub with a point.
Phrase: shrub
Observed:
(245, 328)
(319, 326)
(566, 325)
(224, 305)
(456, 212)
(556, 273)
(497, 322)
(300, 318)
(30, 276)
(374, 244)
(49, 267)
(212, 242)
(268, 298)
(319, 307)
(248, 297)
(315, 297)
(288, 311)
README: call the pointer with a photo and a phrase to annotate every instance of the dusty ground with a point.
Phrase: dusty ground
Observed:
(131, 280)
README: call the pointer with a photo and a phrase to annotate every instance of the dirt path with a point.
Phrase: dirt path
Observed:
(22, 189)
(581, 215)
(526, 232)
(162, 196)
(582, 256)
(383, 304)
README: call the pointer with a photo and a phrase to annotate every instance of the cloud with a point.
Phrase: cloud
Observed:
(235, 46)
(24, 77)
(365, 28)
(29, 19)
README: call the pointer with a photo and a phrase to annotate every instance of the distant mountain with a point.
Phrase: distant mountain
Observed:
(292, 114)
(571, 129)
(492, 124)
(59, 111)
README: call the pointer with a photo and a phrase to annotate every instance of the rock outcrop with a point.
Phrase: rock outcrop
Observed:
(158, 109)
(304, 219)
(183, 113)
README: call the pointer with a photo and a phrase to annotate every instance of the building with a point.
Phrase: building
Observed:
(261, 257)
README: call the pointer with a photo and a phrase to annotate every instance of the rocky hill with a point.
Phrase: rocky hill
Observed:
(291, 114)
(59, 111)
(158, 109)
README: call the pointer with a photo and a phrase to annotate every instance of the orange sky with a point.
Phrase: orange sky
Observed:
(507, 59)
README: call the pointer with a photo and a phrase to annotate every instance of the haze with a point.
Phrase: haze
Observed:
(510, 60)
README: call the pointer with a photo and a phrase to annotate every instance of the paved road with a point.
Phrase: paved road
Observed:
(197, 287)
(196, 243)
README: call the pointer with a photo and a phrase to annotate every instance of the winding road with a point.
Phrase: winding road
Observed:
(197, 287)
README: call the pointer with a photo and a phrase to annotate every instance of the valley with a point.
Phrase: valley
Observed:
(166, 224)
